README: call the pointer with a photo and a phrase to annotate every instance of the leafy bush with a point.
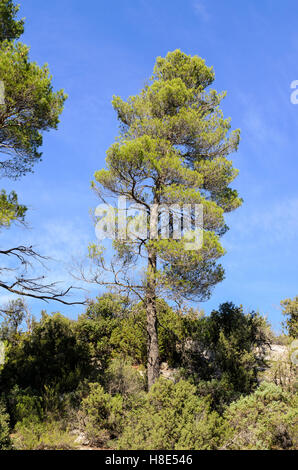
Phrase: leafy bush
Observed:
(129, 338)
(229, 347)
(95, 328)
(282, 371)
(171, 417)
(36, 435)
(27, 406)
(125, 379)
(220, 392)
(5, 443)
(101, 415)
(51, 356)
(266, 420)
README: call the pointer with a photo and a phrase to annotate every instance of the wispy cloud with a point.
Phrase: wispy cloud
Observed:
(61, 242)
(266, 227)
(201, 10)
(259, 123)
(4, 299)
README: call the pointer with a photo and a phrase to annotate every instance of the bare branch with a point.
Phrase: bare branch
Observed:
(33, 287)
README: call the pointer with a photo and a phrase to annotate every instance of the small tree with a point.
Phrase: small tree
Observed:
(172, 150)
(290, 309)
(13, 315)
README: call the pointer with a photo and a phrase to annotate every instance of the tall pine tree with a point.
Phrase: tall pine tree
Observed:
(173, 150)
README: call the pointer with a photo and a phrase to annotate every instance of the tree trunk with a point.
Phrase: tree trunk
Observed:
(152, 345)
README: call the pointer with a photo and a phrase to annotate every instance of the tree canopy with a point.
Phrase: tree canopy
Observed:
(30, 108)
(290, 310)
(10, 28)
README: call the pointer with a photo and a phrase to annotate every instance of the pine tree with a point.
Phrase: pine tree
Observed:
(28, 107)
(173, 150)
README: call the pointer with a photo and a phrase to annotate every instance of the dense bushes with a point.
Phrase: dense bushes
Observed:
(124, 378)
(66, 382)
(267, 419)
(48, 435)
(228, 349)
(102, 415)
(5, 442)
(174, 417)
(52, 355)
(171, 416)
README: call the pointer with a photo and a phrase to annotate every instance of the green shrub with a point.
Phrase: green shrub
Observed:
(28, 406)
(52, 355)
(101, 415)
(23, 404)
(265, 420)
(95, 327)
(5, 443)
(129, 338)
(125, 379)
(52, 435)
(220, 392)
(171, 417)
(290, 310)
(229, 347)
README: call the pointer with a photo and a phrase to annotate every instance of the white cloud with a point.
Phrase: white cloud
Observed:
(259, 124)
(4, 299)
(201, 10)
(271, 226)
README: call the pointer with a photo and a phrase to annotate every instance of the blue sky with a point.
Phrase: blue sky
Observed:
(96, 49)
